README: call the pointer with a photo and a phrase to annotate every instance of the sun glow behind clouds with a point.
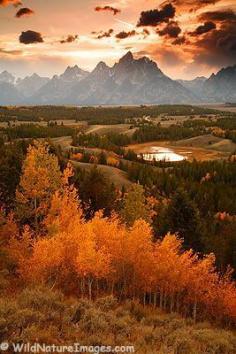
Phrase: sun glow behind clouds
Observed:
(56, 20)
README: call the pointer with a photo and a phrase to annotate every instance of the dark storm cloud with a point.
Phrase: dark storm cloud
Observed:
(123, 34)
(155, 17)
(29, 37)
(69, 39)
(193, 4)
(103, 34)
(207, 27)
(24, 11)
(171, 30)
(218, 16)
(108, 8)
(217, 47)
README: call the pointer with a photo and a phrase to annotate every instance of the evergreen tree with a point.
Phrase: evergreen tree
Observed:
(183, 218)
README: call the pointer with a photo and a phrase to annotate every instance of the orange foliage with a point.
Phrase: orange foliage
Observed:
(104, 256)
(112, 161)
(78, 156)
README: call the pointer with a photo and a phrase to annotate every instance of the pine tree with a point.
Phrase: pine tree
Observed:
(183, 219)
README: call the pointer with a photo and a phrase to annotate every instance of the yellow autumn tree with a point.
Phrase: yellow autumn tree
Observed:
(40, 178)
(64, 206)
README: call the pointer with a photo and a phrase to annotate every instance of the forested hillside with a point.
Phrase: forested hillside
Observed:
(146, 251)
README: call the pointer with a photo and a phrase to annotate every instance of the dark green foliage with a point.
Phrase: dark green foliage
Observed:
(221, 240)
(36, 131)
(95, 191)
(11, 159)
(96, 115)
(110, 142)
(184, 219)
(174, 132)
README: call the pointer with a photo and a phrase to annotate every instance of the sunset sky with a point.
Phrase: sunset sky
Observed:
(186, 38)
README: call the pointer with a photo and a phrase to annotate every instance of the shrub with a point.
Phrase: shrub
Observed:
(215, 341)
(95, 321)
(107, 303)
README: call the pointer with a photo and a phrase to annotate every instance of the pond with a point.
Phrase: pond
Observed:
(156, 153)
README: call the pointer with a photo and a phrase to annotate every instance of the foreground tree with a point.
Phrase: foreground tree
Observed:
(40, 178)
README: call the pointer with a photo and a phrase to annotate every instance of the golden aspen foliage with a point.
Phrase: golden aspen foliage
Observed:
(40, 178)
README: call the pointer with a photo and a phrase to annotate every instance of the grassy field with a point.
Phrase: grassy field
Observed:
(106, 129)
(209, 142)
(64, 141)
(116, 176)
(221, 107)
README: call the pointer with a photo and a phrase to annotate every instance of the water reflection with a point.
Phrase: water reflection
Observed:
(162, 154)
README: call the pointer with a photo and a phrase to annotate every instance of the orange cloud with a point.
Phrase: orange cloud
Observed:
(10, 2)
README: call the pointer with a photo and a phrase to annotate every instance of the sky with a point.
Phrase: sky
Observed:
(187, 38)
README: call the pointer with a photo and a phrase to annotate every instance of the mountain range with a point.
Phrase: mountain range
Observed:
(130, 81)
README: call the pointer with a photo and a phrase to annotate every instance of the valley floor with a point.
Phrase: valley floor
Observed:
(201, 148)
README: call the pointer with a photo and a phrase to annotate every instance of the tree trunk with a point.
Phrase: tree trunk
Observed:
(177, 303)
(112, 288)
(35, 214)
(155, 300)
(195, 311)
(172, 303)
(165, 300)
(161, 299)
(90, 288)
(82, 287)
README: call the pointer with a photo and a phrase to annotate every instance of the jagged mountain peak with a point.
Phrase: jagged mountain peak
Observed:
(101, 71)
(4, 72)
(131, 80)
(73, 73)
(128, 57)
(35, 75)
(31, 84)
(101, 66)
(74, 68)
(221, 87)
(7, 77)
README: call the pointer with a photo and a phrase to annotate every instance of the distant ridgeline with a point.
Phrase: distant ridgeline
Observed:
(99, 115)
(129, 82)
